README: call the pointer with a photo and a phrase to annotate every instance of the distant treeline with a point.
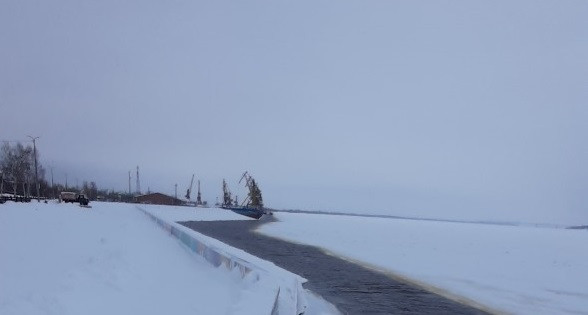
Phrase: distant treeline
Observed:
(17, 170)
(17, 177)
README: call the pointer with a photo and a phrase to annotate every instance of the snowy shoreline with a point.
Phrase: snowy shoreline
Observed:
(61, 258)
(503, 268)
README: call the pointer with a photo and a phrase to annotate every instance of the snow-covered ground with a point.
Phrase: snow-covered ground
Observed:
(63, 259)
(315, 305)
(518, 269)
(178, 214)
(111, 259)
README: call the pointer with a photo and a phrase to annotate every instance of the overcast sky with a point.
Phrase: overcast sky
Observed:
(396, 107)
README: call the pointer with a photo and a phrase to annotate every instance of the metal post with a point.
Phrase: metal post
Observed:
(14, 182)
(52, 186)
(138, 182)
(36, 173)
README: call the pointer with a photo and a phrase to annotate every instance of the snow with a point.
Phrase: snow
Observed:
(518, 269)
(111, 259)
(318, 306)
(179, 213)
(275, 287)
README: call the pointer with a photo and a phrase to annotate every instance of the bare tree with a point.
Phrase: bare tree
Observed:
(17, 167)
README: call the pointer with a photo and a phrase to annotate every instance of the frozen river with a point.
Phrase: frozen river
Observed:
(352, 288)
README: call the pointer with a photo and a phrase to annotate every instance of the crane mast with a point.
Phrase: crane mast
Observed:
(252, 205)
(198, 196)
(253, 198)
(227, 199)
(190, 189)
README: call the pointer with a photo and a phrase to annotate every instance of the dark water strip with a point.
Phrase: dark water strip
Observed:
(353, 289)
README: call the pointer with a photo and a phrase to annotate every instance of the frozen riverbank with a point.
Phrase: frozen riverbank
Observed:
(520, 269)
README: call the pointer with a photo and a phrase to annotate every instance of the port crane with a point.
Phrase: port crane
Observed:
(252, 205)
(227, 198)
(253, 198)
(190, 189)
(198, 196)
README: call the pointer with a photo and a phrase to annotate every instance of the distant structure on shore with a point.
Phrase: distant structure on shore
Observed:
(252, 206)
(138, 182)
(159, 199)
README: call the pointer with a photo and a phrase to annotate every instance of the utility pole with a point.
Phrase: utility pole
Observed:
(176, 194)
(36, 173)
(129, 182)
(65, 181)
(52, 187)
(138, 182)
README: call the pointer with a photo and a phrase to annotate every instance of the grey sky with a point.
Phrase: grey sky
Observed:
(432, 107)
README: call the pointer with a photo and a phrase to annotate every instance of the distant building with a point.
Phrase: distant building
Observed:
(158, 199)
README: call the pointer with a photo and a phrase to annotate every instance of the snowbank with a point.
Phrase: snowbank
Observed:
(518, 269)
(272, 289)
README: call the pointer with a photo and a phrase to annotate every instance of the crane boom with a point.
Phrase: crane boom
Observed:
(190, 189)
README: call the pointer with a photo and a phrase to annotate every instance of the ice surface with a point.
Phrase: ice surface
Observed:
(519, 269)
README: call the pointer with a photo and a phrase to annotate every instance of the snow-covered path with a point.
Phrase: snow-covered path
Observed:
(111, 259)
(517, 269)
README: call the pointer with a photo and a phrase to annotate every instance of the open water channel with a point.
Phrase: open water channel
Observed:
(352, 288)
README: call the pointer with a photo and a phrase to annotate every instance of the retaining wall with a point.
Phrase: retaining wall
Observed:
(287, 294)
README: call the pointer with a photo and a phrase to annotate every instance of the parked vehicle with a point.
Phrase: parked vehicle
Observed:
(83, 199)
(68, 196)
